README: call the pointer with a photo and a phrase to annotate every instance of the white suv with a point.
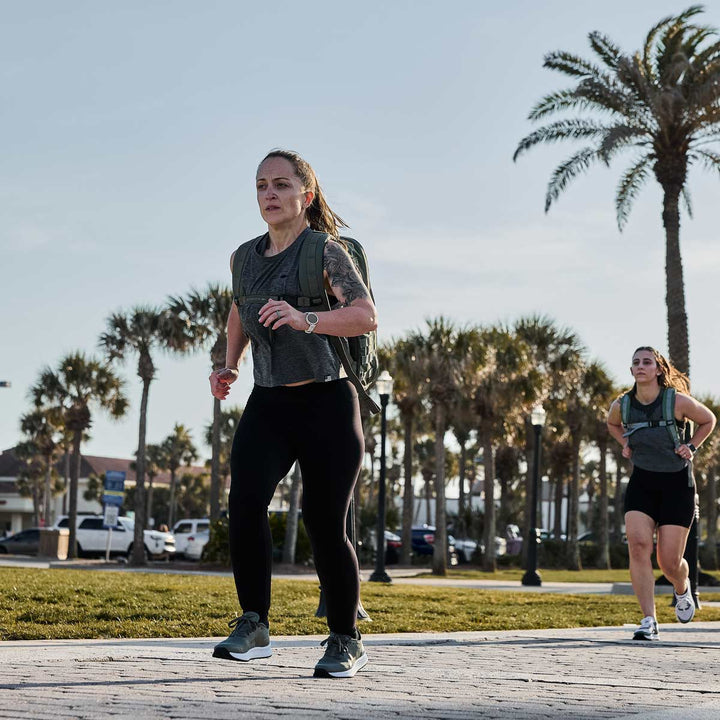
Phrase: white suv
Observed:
(92, 537)
(183, 530)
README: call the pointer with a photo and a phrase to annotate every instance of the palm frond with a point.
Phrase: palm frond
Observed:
(629, 186)
(561, 130)
(605, 49)
(572, 65)
(687, 200)
(709, 159)
(556, 102)
(617, 138)
(605, 97)
(567, 171)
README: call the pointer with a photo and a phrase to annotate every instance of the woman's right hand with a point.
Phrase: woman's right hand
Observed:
(220, 381)
(627, 452)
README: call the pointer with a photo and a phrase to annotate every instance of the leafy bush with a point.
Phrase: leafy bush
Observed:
(217, 549)
(303, 549)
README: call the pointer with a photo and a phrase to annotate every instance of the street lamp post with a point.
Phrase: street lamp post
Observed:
(384, 386)
(531, 576)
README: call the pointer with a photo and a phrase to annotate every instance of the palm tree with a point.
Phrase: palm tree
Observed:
(555, 352)
(78, 384)
(154, 465)
(178, 449)
(44, 430)
(202, 318)
(505, 386)
(141, 331)
(707, 464)
(662, 105)
(445, 354)
(401, 359)
(224, 430)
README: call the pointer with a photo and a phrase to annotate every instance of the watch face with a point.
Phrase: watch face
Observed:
(312, 318)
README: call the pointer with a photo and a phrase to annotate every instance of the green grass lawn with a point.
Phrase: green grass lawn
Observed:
(52, 604)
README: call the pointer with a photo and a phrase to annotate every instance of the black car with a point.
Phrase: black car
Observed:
(423, 542)
(26, 542)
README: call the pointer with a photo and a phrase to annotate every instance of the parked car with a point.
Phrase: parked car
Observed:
(393, 543)
(92, 537)
(423, 542)
(183, 529)
(26, 542)
(467, 547)
(195, 544)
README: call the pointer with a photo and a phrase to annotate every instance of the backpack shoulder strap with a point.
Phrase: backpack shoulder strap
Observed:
(668, 412)
(625, 409)
(239, 260)
(311, 266)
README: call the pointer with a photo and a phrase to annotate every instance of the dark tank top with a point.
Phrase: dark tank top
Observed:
(652, 448)
(283, 356)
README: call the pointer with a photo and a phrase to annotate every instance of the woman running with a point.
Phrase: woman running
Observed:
(660, 496)
(301, 408)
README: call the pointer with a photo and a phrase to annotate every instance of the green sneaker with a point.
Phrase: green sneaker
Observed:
(343, 657)
(249, 639)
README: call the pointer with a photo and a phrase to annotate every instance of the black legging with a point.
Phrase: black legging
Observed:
(318, 425)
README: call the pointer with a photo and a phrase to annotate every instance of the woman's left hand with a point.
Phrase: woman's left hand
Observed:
(276, 313)
(684, 452)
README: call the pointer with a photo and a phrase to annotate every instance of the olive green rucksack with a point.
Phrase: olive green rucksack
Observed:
(358, 355)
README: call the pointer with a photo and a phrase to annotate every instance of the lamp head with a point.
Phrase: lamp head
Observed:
(384, 384)
(538, 415)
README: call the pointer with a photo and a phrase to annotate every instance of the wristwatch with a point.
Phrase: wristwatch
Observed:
(312, 320)
(692, 448)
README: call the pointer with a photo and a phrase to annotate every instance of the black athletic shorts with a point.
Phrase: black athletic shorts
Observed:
(667, 497)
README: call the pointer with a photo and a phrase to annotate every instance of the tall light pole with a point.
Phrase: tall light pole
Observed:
(531, 576)
(384, 385)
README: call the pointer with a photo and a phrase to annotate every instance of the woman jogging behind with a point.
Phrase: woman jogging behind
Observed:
(660, 495)
(302, 408)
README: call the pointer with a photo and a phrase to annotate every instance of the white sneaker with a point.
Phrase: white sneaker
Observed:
(685, 605)
(648, 629)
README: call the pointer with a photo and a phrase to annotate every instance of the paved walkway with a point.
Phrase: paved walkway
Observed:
(590, 673)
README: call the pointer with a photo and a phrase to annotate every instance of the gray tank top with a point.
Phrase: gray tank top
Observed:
(652, 448)
(283, 356)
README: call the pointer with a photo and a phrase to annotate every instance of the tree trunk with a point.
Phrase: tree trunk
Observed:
(138, 553)
(574, 510)
(559, 496)
(74, 481)
(291, 526)
(172, 501)
(461, 491)
(488, 561)
(675, 287)
(604, 558)
(148, 507)
(427, 477)
(712, 516)
(618, 516)
(66, 479)
(47, 494)
(439, 562)
(215, 463)
(408, 494)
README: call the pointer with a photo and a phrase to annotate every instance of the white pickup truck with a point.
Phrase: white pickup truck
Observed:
(92, 537)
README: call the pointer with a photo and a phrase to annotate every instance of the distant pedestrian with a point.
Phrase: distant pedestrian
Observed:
(301, 408)
(660, 496)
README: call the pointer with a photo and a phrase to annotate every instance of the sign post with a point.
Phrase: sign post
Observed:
(113, 496)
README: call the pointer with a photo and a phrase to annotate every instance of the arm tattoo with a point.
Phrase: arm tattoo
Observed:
(343, 274)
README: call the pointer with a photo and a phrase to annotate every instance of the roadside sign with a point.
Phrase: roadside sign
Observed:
(114, 490)
(110, 516)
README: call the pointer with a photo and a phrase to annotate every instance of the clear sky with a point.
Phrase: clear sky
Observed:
(131, 133)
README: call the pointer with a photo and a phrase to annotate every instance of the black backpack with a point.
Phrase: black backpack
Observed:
(358, 355)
